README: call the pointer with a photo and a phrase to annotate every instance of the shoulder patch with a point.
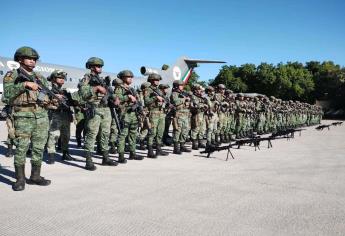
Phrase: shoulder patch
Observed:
(9, 76)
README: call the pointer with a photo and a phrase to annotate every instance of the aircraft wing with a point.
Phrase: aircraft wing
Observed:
(202, 61)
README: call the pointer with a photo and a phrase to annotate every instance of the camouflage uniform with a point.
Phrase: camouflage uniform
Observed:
(99, 116)
(60, 123)
(181, 119)
(129, 116)
(156, 116)
(30, 116)
(198, 107)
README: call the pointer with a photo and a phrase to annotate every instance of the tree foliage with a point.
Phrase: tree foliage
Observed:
(289, 81)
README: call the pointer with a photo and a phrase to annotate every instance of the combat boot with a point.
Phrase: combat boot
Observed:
(177, 148)
(221, 138)
(122, 159)
(183, 148)
(89, 164)
(36, 178)
(51, 158)
(150, 153)
(107, 161)
(195, 144)
(217, 140)
(79, 143)
(160, 152)
(201, 143)
(134, 156)
(66, 156)
(19, 185)
(112, 148)
(9, 152)
(142, 145)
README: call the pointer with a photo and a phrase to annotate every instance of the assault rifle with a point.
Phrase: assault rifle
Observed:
(167, 102)
(321, 127)
(137, 107)
(240, 142)
(43, 90)
(337, 123)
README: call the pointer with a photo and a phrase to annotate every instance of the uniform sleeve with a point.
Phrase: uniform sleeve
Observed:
(119, 94)
(176, 100)
(149, 99)
(11, 89)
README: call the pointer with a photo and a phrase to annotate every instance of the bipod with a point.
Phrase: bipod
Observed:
(229, 152)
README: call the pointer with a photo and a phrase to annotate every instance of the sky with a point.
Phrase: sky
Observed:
(130, 34)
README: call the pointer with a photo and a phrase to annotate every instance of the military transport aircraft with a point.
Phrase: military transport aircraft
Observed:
(181, 70)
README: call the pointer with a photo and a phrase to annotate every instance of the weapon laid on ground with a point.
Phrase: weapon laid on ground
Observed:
(240, 142)
(43, 90)
(287, 133)
(337, 123)
(321, 127)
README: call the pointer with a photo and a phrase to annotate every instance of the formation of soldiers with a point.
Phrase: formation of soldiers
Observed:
(116, 116)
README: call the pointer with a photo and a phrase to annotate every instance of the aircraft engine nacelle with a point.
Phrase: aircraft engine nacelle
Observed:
(147, 70)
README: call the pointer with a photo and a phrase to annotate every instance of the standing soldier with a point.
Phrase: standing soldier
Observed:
(98, 116)
(198, 111)
(22, 91)
(130, 108)
(79, 116)
(145, 125)
(181, 102)
(155, 102)
(61, 118)
(220, 97)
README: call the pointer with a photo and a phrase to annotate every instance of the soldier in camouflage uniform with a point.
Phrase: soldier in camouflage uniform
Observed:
(145, 126)
(220, 97)
(198, 107)
(155, 102)
(240, 115)
(30, 116)
(130, 109)
(181, 101)
(99, 118)
(61, 119)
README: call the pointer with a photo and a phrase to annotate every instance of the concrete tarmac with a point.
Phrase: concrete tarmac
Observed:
(295, 188)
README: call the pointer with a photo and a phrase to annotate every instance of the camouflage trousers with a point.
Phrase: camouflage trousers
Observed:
(129, 128)
(211, 123)
(59, 127)
(197, 125)
(99, 123)
(34, 130)
(221, 123)
(157, 121)
(181, 126)
(114, 133)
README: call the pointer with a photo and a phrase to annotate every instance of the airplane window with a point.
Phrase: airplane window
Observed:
(70, 79)
(1, 72)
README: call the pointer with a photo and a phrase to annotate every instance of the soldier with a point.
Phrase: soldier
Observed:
(61, 119)
(211, 117)
(98, 116)
(145, 126)
(220, 97)
(22, 91)
(130, 111)
(198, 108)
(155, 102)
(181, 101)
(240, 115)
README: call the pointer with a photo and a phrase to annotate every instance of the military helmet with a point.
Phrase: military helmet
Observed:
(221, 86)
(165, 67)
(145, 85)
(26, 52)
(153, 77)
(116, 82)
(57, 74)
(163, 86)
(209, 89)
(196, 86)
(125, 73)
(94, 61)
(177, 83)
(240, 95)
